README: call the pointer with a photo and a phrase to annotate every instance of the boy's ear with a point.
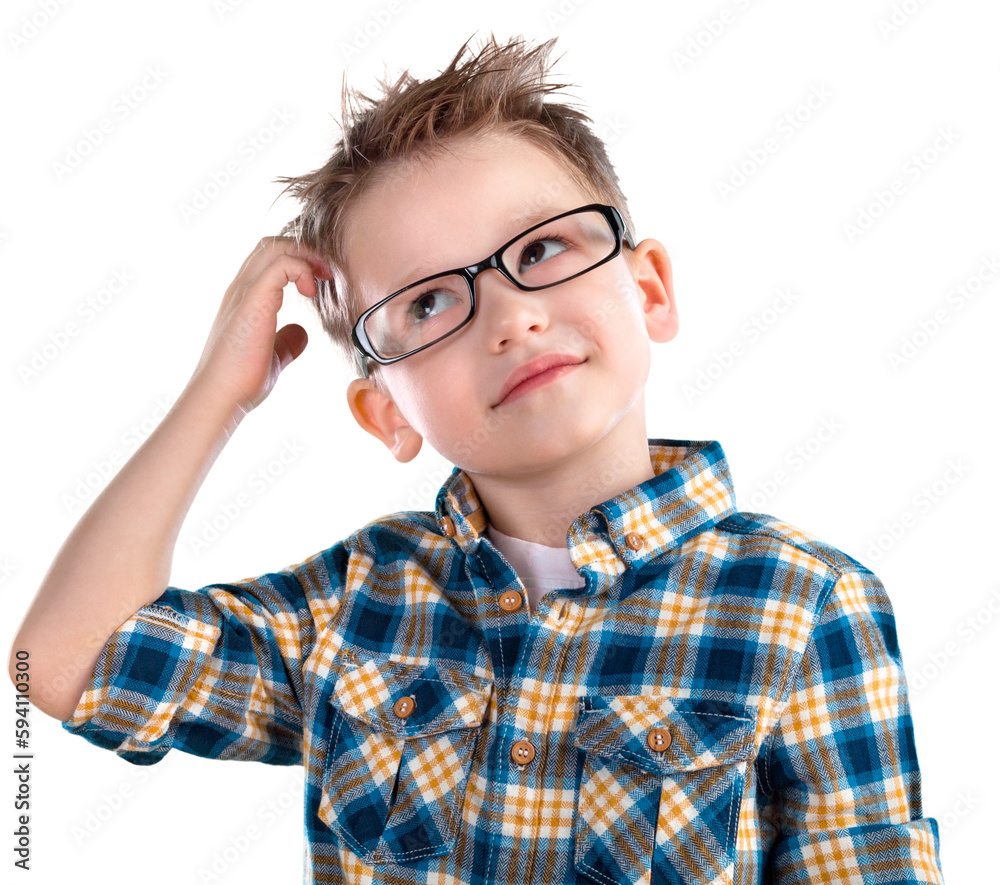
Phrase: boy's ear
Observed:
(376, 412)
(654, 277)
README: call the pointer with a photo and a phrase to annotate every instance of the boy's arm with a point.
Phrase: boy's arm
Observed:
(842, 764)
(118, 556)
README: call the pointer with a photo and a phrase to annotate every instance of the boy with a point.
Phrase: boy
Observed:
(585, 664)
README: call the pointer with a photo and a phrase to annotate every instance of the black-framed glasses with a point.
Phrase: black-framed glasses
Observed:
(429, 310)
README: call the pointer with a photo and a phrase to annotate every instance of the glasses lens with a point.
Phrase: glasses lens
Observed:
(560, 249)
(419, 315)
(547, 255)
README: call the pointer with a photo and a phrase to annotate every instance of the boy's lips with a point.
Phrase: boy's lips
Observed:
(534, 368)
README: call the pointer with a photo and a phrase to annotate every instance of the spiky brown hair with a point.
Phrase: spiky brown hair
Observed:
(499, 90)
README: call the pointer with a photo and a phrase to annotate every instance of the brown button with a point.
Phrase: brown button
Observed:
(634, 541)
(659, 739)
(510, 601)
(449, 526)
(522, 752)
(404, 707)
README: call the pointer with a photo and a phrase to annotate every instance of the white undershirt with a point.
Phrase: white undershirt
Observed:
(540, 568)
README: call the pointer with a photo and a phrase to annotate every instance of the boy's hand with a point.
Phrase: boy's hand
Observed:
(245, 352)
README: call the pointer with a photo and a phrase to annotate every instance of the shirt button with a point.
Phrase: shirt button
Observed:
(449, 526)
(404, 707)
(510, 601)
(658, 740)
(634, 541)
(522, 752)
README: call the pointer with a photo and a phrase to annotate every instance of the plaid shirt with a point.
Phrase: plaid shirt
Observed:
(722, 702)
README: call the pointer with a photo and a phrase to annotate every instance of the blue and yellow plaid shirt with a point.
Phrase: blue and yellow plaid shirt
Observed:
(722, 702)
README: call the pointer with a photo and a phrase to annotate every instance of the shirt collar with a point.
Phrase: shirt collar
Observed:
(691, 491)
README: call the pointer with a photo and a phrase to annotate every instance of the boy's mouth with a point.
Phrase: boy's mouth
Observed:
(536, 373)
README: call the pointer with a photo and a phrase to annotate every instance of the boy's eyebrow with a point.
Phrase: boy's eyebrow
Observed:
(418, 272)
(528, 217)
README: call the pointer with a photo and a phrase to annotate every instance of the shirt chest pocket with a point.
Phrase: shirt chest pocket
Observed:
(398, 761)
(661, 786)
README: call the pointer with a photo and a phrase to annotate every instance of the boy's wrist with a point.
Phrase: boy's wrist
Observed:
(212, 405)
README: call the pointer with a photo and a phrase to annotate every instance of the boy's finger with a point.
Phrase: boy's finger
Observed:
(284, 270)
(289, 342)
(270, 247)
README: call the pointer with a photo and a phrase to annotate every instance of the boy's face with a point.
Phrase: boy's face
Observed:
(454, 210)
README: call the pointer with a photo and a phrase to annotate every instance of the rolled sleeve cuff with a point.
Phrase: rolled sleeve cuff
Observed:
(885, 854)
(145, 672)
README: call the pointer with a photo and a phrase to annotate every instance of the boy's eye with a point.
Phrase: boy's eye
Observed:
(540, 250)
(428, 304)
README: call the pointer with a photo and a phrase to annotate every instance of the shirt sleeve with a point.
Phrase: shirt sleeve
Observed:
(842, 765)
(215, 672)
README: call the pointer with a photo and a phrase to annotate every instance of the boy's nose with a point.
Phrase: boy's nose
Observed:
(506, 313)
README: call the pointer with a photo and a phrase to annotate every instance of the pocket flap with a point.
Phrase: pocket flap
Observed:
(444, 698)
(701, 733)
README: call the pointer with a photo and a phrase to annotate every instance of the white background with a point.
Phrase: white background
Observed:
(680, 107)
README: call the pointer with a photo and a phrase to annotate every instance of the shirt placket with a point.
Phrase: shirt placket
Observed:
(531, 693)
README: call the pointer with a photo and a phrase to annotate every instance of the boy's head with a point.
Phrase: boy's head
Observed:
(437, 175)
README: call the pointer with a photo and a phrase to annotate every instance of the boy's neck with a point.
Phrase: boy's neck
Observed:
(540, 507)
